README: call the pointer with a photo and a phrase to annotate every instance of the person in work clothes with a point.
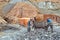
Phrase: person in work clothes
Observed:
(49, 24)
(30, 24)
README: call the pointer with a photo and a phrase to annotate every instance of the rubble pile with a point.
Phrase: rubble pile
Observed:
(40, 34)
(22, 34)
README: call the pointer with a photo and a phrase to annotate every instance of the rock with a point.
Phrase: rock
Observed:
(2, 21)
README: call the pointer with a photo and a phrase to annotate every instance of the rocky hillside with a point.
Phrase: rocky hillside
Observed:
(2, 4)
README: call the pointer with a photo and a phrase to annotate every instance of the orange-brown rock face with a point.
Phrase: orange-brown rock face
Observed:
(22, 10)
(55, 18)
(39, 17)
